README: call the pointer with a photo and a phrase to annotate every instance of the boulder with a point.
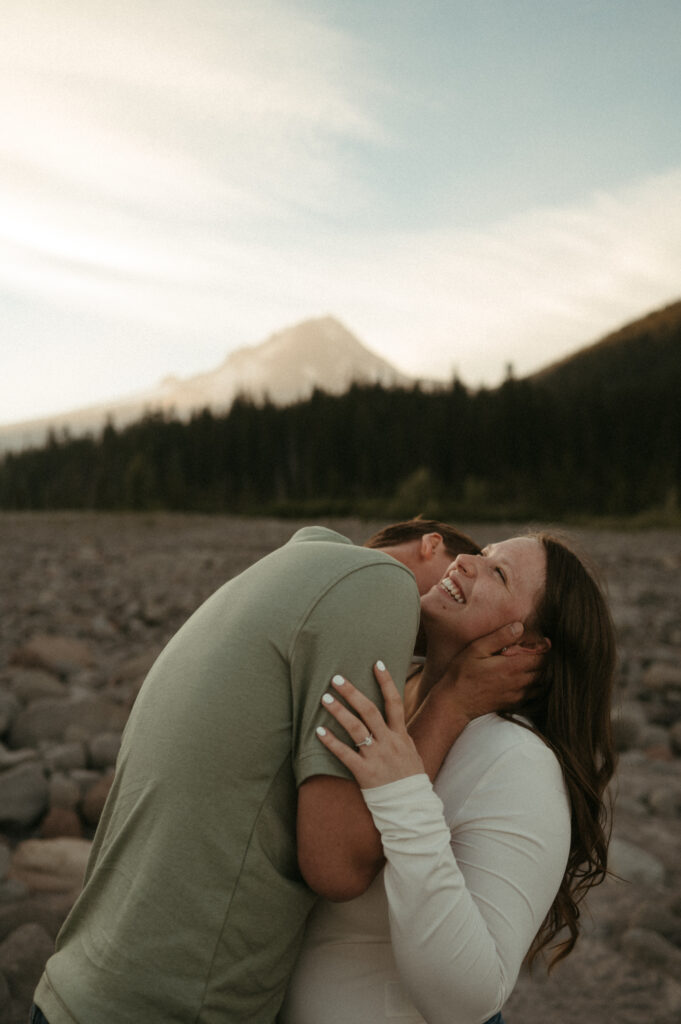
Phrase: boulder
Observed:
(5, 859)
(29, 684)
(10, 758)
(648, 947)
(5, 998)
(9, 708)
(60, 655)
(658, 918)
(51, 719)
(662, 675)
(64, 791)
(633, 864)
(628, 723)
(103, 749)
(675, 738)
(51, 865)
(46, 909)
(65, 757)
(22, 959)
(23, 794)
(93, 802)
(665, 799)
(61, 821)
(128, 677)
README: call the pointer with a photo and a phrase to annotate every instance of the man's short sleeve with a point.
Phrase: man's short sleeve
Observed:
(372, 612)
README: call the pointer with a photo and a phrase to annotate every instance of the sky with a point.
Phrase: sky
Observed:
(465, 184)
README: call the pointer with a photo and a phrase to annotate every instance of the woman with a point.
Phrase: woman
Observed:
(492, 861)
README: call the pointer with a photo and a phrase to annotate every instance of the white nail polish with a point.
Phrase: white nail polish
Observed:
(338, 680)
(380, 666)
(327, 698)
(321, 731)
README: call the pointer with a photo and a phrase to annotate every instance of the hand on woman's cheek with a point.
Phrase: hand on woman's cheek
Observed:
(490, 674)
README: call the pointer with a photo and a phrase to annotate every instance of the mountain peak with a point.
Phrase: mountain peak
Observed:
(284, 368)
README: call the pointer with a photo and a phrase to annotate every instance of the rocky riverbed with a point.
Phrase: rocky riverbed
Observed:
(86, 603)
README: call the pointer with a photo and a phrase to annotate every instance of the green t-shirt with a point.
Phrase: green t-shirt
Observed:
(194, 906)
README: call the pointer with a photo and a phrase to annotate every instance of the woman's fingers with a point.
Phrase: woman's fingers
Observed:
(345, 754)
(394, 706)
(372, 720)
(494, 643)
(383, 752)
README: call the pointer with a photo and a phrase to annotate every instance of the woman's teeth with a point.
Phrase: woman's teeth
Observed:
(452, 589)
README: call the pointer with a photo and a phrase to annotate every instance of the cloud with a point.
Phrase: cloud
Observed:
(527, 290)
(179, 180)
(128, 128)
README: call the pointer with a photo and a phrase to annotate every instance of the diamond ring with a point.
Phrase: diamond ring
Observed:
(365, 743)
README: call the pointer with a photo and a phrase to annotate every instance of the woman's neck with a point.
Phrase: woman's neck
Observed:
(419, 685)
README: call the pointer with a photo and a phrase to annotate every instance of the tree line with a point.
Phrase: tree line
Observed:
(523, 450)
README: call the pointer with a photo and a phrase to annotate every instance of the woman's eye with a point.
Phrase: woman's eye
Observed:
(501, 573)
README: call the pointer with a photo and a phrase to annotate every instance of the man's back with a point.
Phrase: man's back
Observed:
(194, 904)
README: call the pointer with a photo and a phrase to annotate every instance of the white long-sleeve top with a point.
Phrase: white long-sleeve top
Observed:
(472, 867)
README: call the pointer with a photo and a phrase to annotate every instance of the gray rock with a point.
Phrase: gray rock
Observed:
(10, 758)
(666, 799)
(22, 958)
(653, 737)
(85, 778)
(5, 998)
(45, 909)
(628, 722)
(50, 719)
(648, 947)
(675, 738)
(64, 791)
(660, 919)
(11, 890)
(65, 757)
(9, 708)
(31, 683)
(633, 864)
(51, 865)
(61, 655)
(23, 794)
(662, 675)
(104, 749)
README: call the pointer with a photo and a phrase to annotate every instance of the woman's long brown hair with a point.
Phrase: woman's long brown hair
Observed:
(569, 706)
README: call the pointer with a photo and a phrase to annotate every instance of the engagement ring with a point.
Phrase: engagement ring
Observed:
(365, 743)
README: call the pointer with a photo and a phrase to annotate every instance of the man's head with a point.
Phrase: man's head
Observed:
(425, 546)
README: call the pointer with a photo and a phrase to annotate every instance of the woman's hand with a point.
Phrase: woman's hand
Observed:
(494, 672)
(384, 751)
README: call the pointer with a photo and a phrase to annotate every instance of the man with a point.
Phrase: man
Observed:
(227, 814)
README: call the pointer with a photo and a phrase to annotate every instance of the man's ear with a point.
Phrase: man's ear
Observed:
(430, 544)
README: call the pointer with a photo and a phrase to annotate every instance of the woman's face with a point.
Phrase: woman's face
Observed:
(480, 593)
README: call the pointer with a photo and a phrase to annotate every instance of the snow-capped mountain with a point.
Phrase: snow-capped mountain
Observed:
(286, 367)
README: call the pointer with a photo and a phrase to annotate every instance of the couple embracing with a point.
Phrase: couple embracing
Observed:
(310, 825)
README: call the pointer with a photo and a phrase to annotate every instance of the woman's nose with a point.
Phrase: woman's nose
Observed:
(466, 564)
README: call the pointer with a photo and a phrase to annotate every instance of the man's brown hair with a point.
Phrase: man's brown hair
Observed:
(455, 542)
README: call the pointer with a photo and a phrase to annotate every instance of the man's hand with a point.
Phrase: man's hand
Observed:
(493, 672)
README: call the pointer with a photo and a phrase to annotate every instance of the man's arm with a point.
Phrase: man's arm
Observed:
(339, 849)
(371, 613)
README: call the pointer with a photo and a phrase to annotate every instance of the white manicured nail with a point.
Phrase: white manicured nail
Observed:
(380, 666)
(321, 731)
(327, 698)
(338, 680)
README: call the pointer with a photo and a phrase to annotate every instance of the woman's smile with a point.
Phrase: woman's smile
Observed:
(480, 593)
(451, 587)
